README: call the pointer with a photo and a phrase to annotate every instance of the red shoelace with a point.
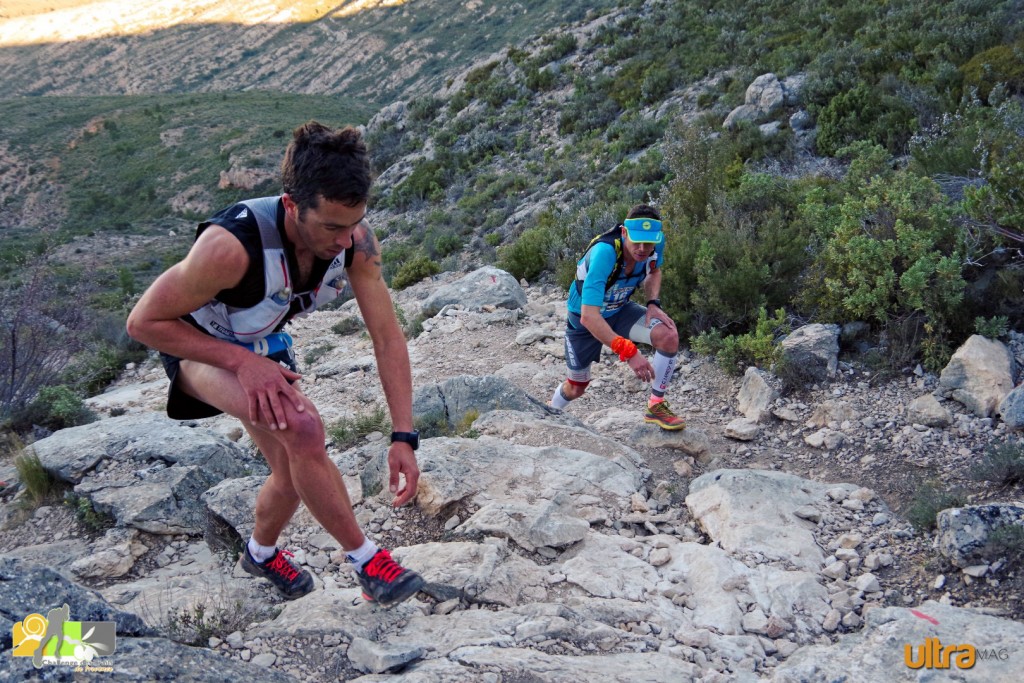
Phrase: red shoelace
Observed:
(281, 566)
(383, 566)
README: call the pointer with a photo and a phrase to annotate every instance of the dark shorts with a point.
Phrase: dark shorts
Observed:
(582, 348)
(183, 406)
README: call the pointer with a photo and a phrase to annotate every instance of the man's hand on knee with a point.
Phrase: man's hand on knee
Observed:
(267, 388)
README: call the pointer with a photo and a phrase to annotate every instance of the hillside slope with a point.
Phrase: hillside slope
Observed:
(370, 50)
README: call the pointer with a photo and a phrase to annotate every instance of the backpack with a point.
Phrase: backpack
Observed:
(614, 238)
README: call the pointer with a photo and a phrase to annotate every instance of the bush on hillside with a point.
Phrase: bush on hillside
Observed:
(758, 347)
(865, 113)
(1002, 64)
(44, 326)
(887, 249)
(425, 183)
(999, 200)
(415, 270)
(528, 256)
(733, 246)
(53, 408)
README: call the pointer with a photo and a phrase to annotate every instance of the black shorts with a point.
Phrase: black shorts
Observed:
(183, 406)
(582, 348)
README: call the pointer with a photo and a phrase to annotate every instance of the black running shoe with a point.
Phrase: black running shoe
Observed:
(290, 581)
(387, 582)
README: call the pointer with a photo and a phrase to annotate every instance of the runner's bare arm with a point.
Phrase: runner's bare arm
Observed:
(216, 261)
(389, 347)
(652, 288)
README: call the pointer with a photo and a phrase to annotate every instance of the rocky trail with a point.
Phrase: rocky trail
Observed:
(570, 546)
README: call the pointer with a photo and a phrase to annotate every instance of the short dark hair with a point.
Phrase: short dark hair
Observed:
(644, 211)
(322, 161)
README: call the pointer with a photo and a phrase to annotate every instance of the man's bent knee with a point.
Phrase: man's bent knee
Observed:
(305, 432)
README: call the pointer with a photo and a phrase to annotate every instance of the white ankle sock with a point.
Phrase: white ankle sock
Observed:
(261, 553)
(363, 554)
(558, 399)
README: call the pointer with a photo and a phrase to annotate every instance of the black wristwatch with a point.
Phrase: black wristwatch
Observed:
(656, 302)
(412, 438)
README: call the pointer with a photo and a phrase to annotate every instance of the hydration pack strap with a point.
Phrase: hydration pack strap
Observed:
(269, 345)
(265, 211)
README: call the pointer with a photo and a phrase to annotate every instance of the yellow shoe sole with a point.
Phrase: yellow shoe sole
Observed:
(667, 428)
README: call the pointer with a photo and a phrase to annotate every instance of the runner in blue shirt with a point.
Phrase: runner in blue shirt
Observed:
(601, 313)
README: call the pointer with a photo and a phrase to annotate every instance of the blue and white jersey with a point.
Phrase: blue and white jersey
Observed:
(596, 267)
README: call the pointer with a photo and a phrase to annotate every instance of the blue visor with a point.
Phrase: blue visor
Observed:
(644, 230)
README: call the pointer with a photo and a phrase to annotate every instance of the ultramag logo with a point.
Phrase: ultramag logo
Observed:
(932, 654)
(56, 640)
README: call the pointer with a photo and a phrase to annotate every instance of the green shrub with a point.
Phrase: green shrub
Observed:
(54, 408)
(741, 251)
(759, 347)
(528, 256)
(425, 183)
(86, 514)
(103, 361)
(993, 328)
(316, 353)
(539, 80)
(889, 249)
(999, 201)
(929, 499)
(415, 270)
(196, 623)
(465, 425)
(1002, 464)
(347, 432)
(348, 325)
(864, 113)
(1001, 64)
(432, 425)
(40, 486)
(424, 108)
(951, 145)
(443, 245)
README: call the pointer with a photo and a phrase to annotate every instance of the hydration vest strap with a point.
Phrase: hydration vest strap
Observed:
(265, 211)
(269, 345)
(614, 238)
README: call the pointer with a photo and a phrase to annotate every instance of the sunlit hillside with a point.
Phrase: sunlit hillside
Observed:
(373, 50)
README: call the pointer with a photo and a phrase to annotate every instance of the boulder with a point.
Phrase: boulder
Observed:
(440, 408)
(979, 375)
(1012, 409)
(141, 440)
(757, 393)
(813, 350)
(741, 510)
(766, 93)
(927, 410)
(486, 287)
(744, 112)
(978, 534)
(165, 502)
(487, 470)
